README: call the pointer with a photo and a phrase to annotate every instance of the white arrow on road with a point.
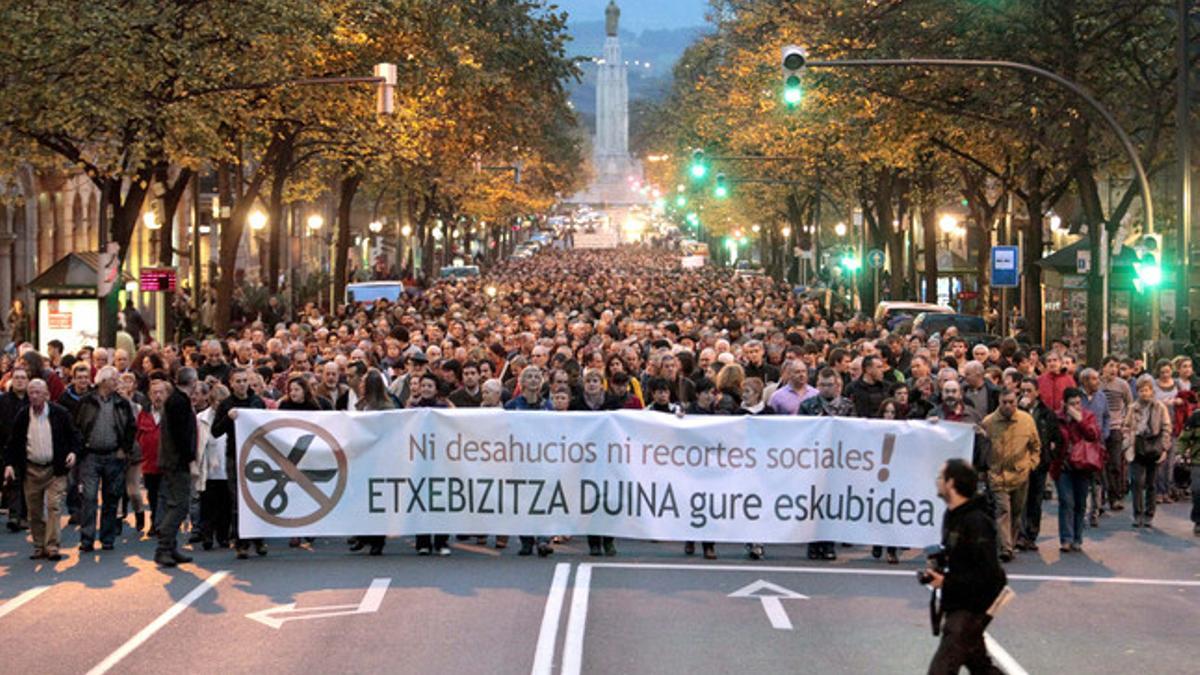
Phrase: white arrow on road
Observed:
(275, 617)
(772, 597)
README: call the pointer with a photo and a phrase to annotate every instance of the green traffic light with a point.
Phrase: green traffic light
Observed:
(1148, 272)
(721, 192)
(699, 171)
(681, 201)
(793, 93)
(851, 263)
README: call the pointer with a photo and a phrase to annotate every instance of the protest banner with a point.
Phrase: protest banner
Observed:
(634, 474)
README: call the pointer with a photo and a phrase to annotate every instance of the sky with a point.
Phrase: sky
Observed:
(640, 15)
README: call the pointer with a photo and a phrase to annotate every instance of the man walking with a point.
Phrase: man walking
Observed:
(240, 396)
(971, 578)
(1015, 452)
(106, 428)
(41, 450)
(176, 452)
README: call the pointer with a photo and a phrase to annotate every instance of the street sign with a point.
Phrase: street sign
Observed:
(875, 258)
(1083, 261)
(1005, 267)
(274, 617)
(157, 279)
(772, 596)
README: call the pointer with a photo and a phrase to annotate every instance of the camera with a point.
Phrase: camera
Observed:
(935, 557)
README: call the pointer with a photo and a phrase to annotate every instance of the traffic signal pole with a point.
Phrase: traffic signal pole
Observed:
(1074, 87)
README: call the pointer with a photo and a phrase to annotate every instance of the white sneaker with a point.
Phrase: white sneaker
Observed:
(444, 551)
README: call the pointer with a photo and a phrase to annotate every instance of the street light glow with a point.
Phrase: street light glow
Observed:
(375, 226)
(787, 231)
(406, 230)
(257, 220)
(948, 223)
(150, 221)
(316, 221)
(840, 229)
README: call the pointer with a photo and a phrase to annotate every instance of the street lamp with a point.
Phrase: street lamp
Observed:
(257, 220)
(406, 230)
(786, 231)
(840, 229)
(375, 226)
(150, 221)
(316, 221)
(948, 223)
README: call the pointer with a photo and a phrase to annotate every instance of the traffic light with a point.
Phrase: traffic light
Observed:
(1148, 265)
(681, 201)
(793, 75)
(693, 218)
(699, 169)
(722, 189)
(850, 262)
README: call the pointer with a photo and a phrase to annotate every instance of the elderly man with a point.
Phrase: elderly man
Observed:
(1015, 452)
(176, 452)
(107, 428)
(41, 450)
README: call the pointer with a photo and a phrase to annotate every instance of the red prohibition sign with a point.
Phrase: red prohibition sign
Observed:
(325, 502)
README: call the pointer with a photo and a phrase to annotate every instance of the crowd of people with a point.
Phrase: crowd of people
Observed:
(146, 440)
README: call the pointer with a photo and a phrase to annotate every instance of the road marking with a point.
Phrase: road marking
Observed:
(543, 657)
(274, 617)
(1004, 660)
(577, 621)
(156, 625)
(771, 604)
(892, 573)
(12, 605)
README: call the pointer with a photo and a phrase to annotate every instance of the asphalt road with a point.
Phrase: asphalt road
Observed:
(1129, 603)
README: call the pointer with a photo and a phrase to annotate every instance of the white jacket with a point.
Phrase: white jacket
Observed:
(211, 455)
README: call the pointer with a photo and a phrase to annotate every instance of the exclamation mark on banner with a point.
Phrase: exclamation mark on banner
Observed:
(889, 444)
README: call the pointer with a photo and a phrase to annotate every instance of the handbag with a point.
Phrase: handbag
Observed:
(1146, 448)
(1086, 456)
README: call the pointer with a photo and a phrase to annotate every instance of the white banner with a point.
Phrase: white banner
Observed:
(634, 474)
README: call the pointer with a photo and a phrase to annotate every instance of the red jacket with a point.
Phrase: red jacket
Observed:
(147, 440)
(1086, 429)
(1051, 387)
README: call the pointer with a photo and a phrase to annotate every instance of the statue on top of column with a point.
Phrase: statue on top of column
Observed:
(612, 15)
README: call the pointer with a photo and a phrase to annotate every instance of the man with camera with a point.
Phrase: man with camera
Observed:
(966, 570)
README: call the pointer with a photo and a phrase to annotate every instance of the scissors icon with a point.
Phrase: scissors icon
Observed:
(259, 471)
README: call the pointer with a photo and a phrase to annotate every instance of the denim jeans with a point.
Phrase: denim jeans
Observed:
(103, 476)
(1072, 489)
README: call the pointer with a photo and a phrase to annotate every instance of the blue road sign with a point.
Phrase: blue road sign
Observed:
(1006, 271)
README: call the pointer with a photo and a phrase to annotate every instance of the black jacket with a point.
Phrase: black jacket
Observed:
(62, 433)
(222, 425)
(89, 407)
(975, 577)
(867, 396)
(177, 438)
(10, 405)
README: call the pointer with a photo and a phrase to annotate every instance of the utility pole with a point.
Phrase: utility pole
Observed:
(1183, 127)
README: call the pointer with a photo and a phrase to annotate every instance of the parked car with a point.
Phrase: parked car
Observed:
(890, 313)
(970, 327)
(370, 291)
(459, 271)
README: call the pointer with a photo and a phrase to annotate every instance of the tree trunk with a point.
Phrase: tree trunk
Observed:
(928, 209)
(231, 232)
(341, 248)
(275, 217)
(1031, 253)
